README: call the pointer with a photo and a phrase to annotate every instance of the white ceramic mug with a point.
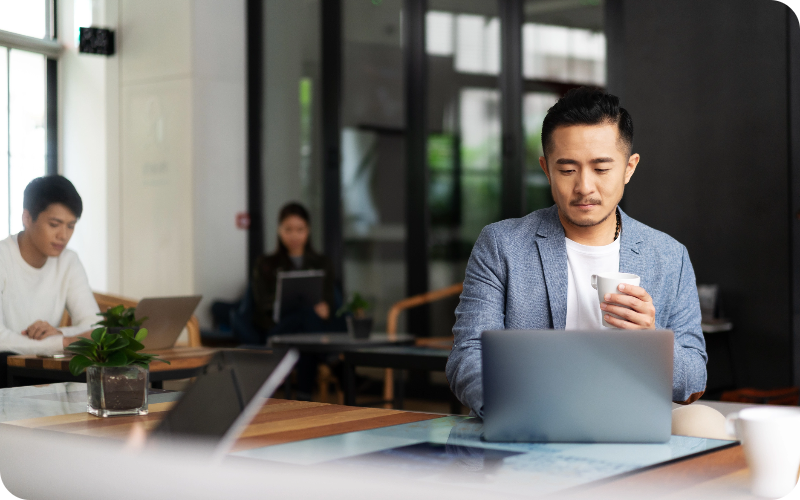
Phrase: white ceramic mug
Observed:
(771, 440)
(607, 283)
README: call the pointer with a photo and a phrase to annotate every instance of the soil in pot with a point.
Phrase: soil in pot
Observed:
(121, 389)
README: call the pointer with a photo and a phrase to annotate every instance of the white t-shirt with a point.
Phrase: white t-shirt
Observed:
(583, 305)
(28, 294)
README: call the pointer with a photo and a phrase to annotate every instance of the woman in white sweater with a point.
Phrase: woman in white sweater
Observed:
(39, 277)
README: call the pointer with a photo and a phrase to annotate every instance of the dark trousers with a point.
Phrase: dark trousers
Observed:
(303, 320)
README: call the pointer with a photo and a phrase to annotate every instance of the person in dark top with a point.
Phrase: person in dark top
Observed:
(294, 253)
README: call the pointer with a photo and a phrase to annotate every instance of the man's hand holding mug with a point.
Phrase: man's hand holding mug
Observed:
(623, 302)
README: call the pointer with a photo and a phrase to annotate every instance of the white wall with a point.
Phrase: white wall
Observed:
(154, 139)
(157, 255)
(88, 147)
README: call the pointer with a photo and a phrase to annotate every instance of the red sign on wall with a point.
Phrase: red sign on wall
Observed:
(243, 220)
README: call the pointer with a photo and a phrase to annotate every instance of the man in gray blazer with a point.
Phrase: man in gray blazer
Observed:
(535, 272)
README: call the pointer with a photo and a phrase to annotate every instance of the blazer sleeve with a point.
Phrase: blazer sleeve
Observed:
(481, 307)
(689, 371)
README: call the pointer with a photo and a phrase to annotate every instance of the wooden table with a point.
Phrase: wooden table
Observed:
(279, 421)
(185, 362)
(717, 474)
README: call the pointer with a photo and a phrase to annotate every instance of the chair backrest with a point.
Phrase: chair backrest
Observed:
(106, 302)
(391, 329)
(415, 301)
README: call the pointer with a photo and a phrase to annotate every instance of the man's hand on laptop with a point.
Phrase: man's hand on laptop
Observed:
(40, 330)
(642, 312)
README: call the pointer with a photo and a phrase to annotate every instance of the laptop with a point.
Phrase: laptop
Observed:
(166, 318)
(224, 399)
(601, 386)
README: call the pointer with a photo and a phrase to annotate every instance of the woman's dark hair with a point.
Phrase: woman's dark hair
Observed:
(293, 208)
(587, 106)
(42, 192)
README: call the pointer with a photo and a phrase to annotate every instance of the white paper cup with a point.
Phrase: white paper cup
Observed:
(771, 440)
(607, 283)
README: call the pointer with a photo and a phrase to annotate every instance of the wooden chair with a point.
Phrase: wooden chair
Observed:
(391, 328)
(326, 378)
(106, 302)
(787, 396)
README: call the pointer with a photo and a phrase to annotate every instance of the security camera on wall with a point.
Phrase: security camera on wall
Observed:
(96, 41)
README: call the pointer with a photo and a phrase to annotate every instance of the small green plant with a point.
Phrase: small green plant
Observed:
(357, 307)
(110, 349)
(119, 317)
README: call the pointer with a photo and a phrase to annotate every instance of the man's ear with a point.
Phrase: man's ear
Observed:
(27, 220)
(630, 168)
(543, 164)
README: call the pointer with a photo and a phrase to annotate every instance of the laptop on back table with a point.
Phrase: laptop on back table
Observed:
(166, 318)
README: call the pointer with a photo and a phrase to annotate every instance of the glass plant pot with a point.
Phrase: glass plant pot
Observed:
(119, 390)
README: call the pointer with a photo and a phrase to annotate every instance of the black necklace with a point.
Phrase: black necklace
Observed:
(619, 225)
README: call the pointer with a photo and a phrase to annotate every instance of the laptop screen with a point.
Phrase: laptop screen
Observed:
(220, 395)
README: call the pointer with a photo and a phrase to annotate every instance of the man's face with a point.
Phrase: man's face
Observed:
(52, 229)
(587, 167)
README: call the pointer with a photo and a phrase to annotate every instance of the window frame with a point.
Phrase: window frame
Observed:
(51, 49)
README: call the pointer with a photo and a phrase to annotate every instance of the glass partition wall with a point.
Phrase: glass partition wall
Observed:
(466, 128)
(464, 140)
(563, 47)
(373, 181)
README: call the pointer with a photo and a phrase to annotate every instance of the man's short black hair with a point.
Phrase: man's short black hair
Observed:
(44, 191)
(587, 106)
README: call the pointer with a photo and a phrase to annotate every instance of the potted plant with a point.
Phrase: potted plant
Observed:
(358, 323)
(116, 373)
(118, 318)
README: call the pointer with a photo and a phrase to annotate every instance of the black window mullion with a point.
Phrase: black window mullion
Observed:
(331, 54)
(417, 211)
(511, 86)
(51, 109)
(255, 68)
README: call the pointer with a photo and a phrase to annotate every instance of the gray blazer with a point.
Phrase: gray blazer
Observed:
(516, 278)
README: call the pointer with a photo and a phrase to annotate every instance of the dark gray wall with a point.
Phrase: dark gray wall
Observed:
(793, 30)
(706, 82)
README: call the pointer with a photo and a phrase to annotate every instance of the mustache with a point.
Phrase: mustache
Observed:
(587, 201)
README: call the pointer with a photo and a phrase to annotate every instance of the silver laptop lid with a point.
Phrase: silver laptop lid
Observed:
(577, 386)
(166, 318)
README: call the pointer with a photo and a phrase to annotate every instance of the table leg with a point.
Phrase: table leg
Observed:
(349, 384)
(399, 389)
(287, 387)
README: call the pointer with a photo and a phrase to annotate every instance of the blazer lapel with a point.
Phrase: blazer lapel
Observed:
(553, 256)
(631, 258)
